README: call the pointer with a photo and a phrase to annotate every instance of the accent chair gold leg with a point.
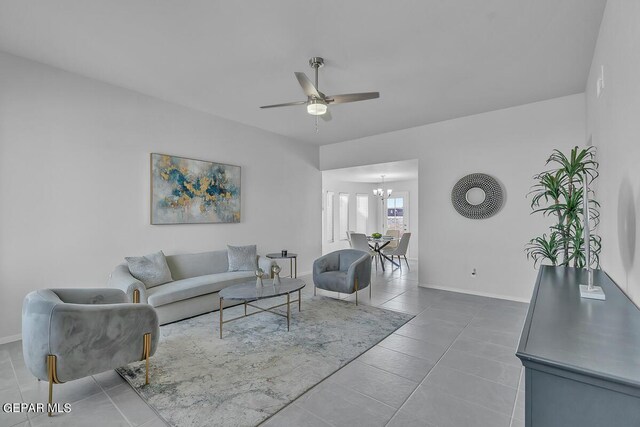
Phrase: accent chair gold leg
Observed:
(52, 376)
(356, 282)
(136, 296)
(146, 353)
(314, 290)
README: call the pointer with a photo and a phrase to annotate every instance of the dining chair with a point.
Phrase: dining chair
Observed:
(394, 243)
(359, 241)
(349, 238)
(401, 250)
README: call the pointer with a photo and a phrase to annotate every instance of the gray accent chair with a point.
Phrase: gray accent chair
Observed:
(345, 271)
(73, 333)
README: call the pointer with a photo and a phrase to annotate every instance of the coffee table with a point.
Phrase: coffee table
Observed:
(248, 292)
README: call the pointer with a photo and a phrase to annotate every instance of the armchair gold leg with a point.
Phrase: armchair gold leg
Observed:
(136, 296)
(52, 374)
(356, 282)
(146, 353)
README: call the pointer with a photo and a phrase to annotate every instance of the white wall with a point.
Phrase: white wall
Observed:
(613, 121)
(510, 144)
(74, 182)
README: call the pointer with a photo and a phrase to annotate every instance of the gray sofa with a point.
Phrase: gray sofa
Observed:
(197, 278)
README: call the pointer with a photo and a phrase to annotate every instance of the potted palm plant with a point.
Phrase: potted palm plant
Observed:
(558, 194)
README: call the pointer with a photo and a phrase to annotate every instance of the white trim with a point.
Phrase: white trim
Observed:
(10, 338)
(481, 294)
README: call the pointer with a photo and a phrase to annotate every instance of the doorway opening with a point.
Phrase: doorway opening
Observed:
(372, 199)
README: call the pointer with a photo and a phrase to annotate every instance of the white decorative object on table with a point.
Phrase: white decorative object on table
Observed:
(259, 274)
(276, 274)
(589, 290)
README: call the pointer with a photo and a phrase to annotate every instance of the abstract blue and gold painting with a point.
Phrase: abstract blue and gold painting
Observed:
(188, 191)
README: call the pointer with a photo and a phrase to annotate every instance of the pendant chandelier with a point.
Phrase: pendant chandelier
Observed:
(381, 191)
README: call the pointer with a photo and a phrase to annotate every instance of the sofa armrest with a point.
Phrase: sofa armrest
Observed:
(122, 279)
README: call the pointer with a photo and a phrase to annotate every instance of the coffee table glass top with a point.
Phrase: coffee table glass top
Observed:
(248, 291)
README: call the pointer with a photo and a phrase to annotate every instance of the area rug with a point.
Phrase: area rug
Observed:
(258, 367)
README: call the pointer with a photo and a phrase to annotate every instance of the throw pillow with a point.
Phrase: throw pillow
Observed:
(242, 258)
(152, 269)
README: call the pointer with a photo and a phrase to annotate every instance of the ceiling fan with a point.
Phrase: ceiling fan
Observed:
(317, 101)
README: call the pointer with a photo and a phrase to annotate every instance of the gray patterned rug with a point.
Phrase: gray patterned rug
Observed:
(258, 367)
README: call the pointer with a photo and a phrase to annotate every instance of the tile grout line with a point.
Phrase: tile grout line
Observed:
(15, 376)
(426, 376)
(436, 364)
(111, 400)
(513, 412)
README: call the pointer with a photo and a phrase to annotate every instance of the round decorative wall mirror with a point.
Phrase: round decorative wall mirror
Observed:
(477, 196)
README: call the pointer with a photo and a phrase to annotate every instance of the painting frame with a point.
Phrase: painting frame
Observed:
(185, 190)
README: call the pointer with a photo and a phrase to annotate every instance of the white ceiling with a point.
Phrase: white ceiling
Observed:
(393, 171)
(431, 60)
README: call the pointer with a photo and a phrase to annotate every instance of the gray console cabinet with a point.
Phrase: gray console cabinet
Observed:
(581, 357)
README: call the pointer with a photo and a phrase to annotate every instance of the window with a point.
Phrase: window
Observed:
(329, 216)
(343, 218)
(395, 213)
(362, 213)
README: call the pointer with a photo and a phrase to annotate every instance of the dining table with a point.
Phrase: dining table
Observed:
(377, 244)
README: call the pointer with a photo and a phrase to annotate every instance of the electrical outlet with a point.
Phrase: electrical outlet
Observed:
(474, 273)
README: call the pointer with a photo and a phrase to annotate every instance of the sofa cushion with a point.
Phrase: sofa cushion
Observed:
(184, 266)
(243, 258)
(194, 287)
(152, 269)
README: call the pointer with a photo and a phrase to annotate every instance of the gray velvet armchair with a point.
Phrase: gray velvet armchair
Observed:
(345, 271)
(73, 333)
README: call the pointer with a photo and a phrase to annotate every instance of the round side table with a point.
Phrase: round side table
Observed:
(293, 260)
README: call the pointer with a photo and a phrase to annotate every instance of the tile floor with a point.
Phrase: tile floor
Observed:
(451, 365)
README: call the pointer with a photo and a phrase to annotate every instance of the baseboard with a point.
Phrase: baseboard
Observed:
(10, 338)
(478, 293)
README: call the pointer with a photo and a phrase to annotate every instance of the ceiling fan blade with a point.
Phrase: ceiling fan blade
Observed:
(351, 97)
(287, 104)
(308, 87)
(326, 116)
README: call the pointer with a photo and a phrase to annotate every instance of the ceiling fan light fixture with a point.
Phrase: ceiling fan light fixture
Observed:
(316, 107)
